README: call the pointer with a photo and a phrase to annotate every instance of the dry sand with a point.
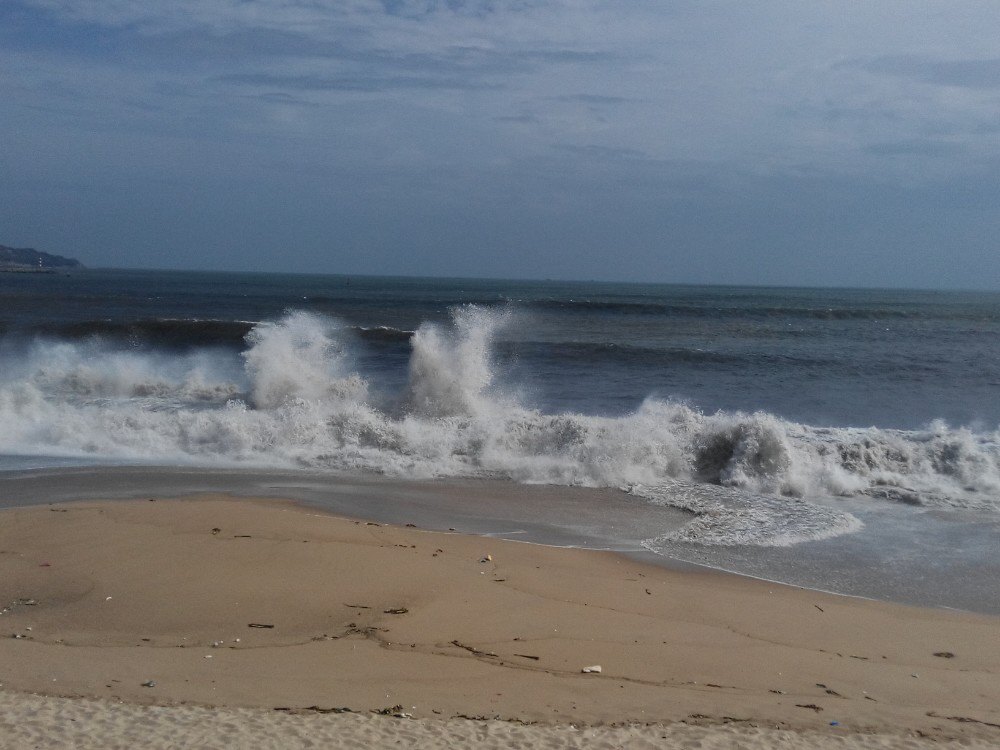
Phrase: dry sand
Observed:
(105, 597)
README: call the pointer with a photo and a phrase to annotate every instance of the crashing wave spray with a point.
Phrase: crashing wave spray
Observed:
(451, 372)
(300, 357)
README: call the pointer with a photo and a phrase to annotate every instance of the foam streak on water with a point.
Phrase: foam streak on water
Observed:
(728, 516)
(294, 398)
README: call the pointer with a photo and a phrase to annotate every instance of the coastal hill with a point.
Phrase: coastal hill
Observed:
(30, 260)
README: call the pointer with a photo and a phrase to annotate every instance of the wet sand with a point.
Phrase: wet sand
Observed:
(904, 554)
(274, 614)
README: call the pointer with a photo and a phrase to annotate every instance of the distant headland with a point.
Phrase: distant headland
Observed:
(28, 260)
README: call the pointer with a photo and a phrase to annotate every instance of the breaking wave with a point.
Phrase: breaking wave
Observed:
(293, 397)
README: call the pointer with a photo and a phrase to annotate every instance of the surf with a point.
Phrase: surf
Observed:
(293, 396)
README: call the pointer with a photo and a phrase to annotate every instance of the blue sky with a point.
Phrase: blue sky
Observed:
(715, 142)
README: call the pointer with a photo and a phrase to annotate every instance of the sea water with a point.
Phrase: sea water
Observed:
(775, 417)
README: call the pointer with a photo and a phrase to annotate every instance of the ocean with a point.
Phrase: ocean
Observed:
(775, 418)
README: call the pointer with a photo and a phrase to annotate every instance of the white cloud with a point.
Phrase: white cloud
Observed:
(552, 102)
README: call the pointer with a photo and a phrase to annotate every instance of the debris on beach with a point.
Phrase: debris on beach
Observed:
(395, 711)
(315, 709)
(944, 654)
(149, 683)
(396, 611)
(259, 625)
(473, 650)
(963, 719)
(486, 558)
(595, 669)
(215, 531)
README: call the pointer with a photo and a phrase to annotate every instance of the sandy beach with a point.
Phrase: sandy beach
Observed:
(217, 621)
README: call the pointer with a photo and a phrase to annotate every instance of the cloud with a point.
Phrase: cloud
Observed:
(281, 98)
(347, 83)
(590, 99)
(601, 153)
(688, 81)
(915, 148)
(975, 74)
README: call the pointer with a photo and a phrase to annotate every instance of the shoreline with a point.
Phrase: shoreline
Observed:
(638, 553)
(904, 554)
(371, 616)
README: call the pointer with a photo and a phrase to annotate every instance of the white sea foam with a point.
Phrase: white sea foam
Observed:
(300, 357)
(729, 516)
(294, 399)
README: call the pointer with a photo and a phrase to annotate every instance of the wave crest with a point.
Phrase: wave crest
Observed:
(451, 372)
(300, 357)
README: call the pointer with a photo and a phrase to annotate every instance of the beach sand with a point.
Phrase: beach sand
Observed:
(215, 621)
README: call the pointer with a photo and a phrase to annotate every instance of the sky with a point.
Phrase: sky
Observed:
(772, 142)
